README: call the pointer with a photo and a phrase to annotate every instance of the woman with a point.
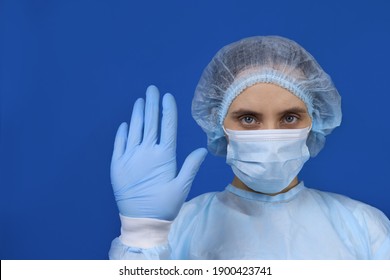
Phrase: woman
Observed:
(265, 104)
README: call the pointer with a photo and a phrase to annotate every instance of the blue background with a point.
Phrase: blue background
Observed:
(71, 70)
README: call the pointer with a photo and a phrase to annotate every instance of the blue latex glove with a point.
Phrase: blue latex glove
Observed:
(143, 172)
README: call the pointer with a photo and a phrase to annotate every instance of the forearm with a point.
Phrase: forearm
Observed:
(141, 238)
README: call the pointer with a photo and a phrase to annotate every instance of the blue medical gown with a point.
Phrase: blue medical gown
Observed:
(302, 223)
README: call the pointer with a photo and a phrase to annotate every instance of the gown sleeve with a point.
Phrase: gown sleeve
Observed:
(141, 239)
(377, 227)
(153, 239)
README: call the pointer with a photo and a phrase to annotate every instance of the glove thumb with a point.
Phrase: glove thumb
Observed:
(190, 168)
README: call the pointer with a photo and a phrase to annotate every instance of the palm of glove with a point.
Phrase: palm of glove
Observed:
(142, 180)
(144, 172)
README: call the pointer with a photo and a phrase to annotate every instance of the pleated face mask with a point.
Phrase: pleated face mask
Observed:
(267, 160)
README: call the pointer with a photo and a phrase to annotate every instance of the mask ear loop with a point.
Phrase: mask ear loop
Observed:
(224, 130)
(226, 135)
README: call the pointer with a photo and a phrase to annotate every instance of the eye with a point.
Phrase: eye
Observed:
(248, 120)
(290, 119)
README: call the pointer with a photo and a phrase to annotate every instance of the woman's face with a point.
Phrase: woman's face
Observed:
(267, 106)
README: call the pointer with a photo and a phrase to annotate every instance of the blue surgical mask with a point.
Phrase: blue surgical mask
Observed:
(267, 160)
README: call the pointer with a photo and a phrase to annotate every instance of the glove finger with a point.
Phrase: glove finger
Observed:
(151, 115)
(190, 168)
(136, 124)
(169, 121)
(120, 141)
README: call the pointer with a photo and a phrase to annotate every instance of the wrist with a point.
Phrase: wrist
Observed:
(144, 232)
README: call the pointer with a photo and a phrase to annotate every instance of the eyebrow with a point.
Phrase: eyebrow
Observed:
(242, 111)
(295, 109)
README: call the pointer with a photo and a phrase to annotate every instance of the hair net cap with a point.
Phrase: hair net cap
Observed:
(265, 59)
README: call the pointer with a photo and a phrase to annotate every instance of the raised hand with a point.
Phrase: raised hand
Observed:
(144, 170)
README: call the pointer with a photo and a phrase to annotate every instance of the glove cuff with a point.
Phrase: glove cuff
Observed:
(144, 232)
